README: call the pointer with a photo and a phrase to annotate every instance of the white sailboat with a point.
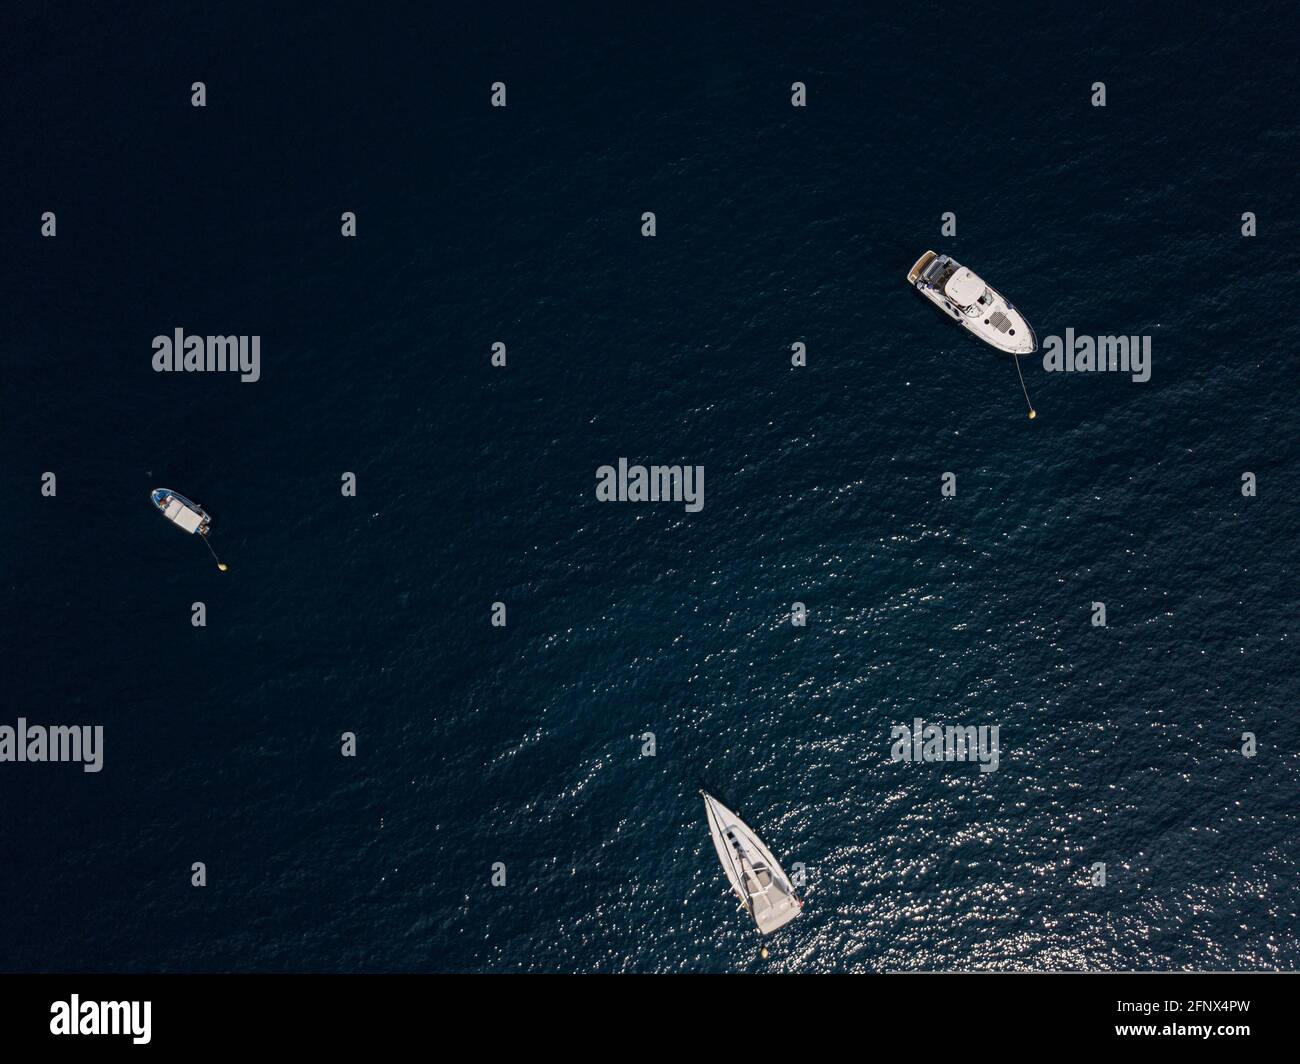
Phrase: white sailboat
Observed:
(765, 891)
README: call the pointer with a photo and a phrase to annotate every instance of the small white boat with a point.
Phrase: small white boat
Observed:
(765, 891)
(965, 297)
(185, 515)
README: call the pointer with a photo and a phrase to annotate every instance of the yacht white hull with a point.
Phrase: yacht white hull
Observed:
(977, 306)
(764, 890)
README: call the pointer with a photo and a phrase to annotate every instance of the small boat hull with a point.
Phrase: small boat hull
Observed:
(187, 516)
(764, 890)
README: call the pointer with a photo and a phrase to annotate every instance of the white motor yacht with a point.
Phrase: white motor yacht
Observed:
(965, 297)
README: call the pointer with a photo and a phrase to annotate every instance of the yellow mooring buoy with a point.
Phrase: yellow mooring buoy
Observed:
(1032, 412)
(220, 564)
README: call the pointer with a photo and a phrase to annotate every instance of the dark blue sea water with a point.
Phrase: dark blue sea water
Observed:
(522, 745)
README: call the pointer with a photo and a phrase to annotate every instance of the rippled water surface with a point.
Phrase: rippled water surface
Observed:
(476, 745)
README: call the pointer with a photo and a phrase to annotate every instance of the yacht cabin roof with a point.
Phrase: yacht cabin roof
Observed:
(964, 287)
